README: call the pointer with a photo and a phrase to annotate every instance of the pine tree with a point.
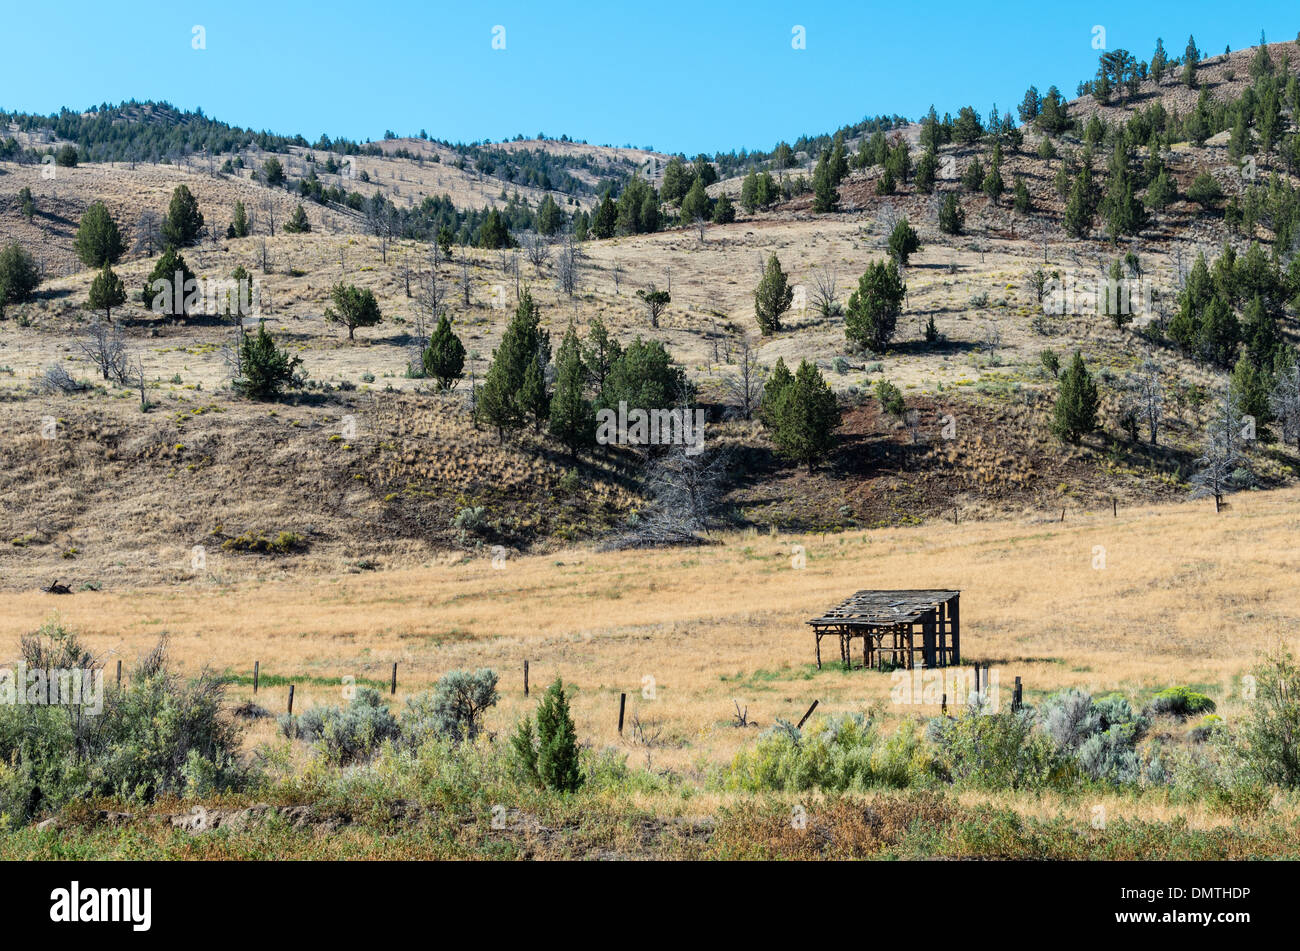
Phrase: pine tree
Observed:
(1161, 193)
(872, 313)
(1159, 62)
(558, 766)
(184, 221)
(106, 292)
(972, 179)
(927, 169)
(773, 297)
(549, 216)
(444, 357)
(99, 241)
(1077, 402)
(805, 415)
(573, 420)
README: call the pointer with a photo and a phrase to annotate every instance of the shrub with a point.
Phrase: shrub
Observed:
(833, 754)
(1271, 749)
(454, 708)
(1180, 702)
(891, 398)
(995, 751)
(158, 736)
(346, 734)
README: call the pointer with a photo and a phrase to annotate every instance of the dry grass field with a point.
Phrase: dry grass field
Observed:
(1184, 597)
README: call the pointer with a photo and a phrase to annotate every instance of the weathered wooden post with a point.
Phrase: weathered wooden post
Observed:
(119, 674)
(807, 715)
(622, 705)
(976, 668)
(393, 689)
(257, 669)
(1016, 697)
(525, 678)
(290, 699)
(943, 708)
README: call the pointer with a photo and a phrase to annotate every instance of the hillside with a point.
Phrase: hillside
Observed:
(392, 493)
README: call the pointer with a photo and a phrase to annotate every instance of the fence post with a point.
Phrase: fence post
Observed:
(290, 699)
(525, 678)
(1016, 697)
(977, 676)
(807, 715)
(393, 689)
(257, 670)
(119, 674)
(622, 704)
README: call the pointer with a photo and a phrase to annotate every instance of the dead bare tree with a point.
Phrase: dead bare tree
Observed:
(685, 489)
(464, 282)
(104, 345)
(148, 233)
(537, 248)
(745, 387)
(432, 297)
(824, 284)
(1145, 398)
(566, 265)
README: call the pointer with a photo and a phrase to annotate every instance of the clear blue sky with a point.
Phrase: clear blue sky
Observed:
(684, 77)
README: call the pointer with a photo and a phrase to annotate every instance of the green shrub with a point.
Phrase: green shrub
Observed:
(1273, 725)
(833, 754)
(160, 735)
(995, 751)
(1180, 702)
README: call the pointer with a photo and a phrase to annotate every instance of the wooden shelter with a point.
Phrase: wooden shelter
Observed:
(915, 628)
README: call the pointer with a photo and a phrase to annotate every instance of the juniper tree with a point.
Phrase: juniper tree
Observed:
(872, 313)
(572, 418)
(804, 417)
(265, 370)
(444, 357)
(106, 292)
(777, 381)
(184, 221)
(558, 766)
(19, 275)
(239, 227)
(170, 299)
(656, 302)
(353, 307)
(903, 242)
(772, 297)
(952, 218)
(1077, 402)
(99, 241)
(298, 222)
(502, 400)
(825, 195)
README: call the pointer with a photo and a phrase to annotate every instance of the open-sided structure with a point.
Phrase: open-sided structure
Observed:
(914, 628)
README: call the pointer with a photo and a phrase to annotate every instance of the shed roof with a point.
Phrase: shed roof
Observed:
(876, 608)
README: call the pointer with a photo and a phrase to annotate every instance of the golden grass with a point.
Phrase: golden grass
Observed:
(1185, 597)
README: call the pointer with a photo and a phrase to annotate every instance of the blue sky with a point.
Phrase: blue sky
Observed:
(684, 77)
